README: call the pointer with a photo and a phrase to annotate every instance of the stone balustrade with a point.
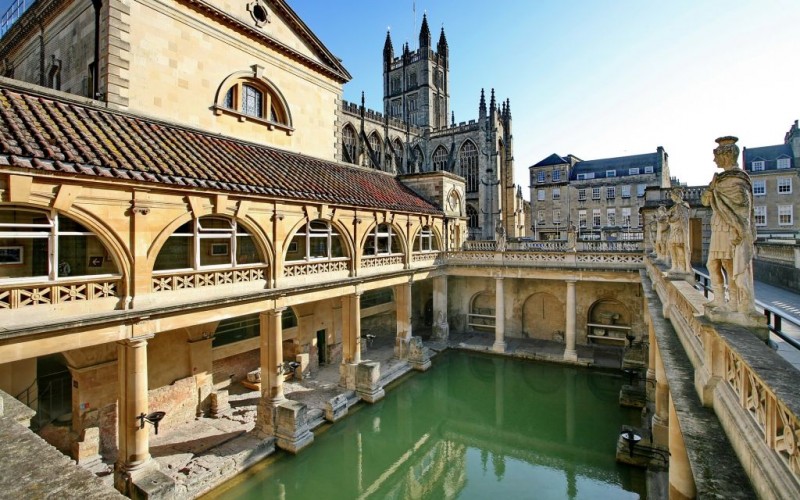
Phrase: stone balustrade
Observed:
(14, 296)
(170, 281)
(550, 259)
(751, 389)
(777, 252)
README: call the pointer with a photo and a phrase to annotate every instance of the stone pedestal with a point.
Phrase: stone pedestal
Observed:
(417, 355)
(632, 396)
(336, 408)
(368, 385)
(754, 321)
(153, 485)
(291, 426)
(220, 406)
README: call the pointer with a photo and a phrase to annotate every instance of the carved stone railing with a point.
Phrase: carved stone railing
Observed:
(537, 246)
(425, 256)
(751, 388)
(480, 245)
(388, 260)
(308, 268)
(605, 260)
(58, 292)
(610, 246)
(166, 282)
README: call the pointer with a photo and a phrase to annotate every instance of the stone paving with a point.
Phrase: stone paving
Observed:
(204, 453)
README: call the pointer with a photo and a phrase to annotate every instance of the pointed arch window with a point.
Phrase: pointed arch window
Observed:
(468, 162)
(382, 241)
(375, 144)
(208, 242)
(472, 222)
(440, 158)
(36, 245)
(349, 144)
(317, 240)
(398, 155)
(419, 158)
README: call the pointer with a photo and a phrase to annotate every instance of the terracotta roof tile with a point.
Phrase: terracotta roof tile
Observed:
(42, 133)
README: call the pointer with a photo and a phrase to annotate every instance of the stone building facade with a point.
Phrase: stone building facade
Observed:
(601, 198)
(775, 172)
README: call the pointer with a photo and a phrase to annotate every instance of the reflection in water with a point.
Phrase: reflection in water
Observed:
(548, 431)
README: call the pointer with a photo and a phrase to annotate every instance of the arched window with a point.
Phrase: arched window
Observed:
(349, 144)
(398, 155)
(316, 240)
(375, 144)
(468, 162)
(255, 99)
(382, 241)
(208, 242)
(426, 241)
(440, 158)
(39, 245)
(472, 223)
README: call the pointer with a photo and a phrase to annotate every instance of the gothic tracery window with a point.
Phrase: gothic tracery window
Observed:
(349, 144)
(398, 155)
(440, 158)
(472, 222)
(375, 144)
(468, 161)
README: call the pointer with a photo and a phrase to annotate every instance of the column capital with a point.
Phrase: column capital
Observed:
(138, 341)
(571, 281)
(274, 312)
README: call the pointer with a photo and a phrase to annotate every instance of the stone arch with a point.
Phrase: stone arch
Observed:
(468, 165)
(345, 236)
(439, 159)
(608, 311)
(483, 304)
(434, 232)
(396, 230)
(543, 317)
(256, 78)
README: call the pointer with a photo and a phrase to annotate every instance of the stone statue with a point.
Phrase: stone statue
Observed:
(662, 232)
(651, 232)
(501, 237)
(572, 238)
(730, 196)
(678, 240)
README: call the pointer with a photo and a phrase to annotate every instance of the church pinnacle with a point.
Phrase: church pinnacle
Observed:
(424, 33)
(388, 49)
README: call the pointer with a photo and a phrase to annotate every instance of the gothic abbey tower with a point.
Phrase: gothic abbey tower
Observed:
(417, 133)
(415, 85)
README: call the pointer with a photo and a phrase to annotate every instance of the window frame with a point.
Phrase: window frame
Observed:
(760, 215)
(759, 187)
(274, 110)
(783, 211)
(758, 165)
(783, 163)
(784, 185)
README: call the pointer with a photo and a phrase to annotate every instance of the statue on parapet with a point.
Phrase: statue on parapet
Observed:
(730, 251)
(501, 237)
(572, 238)
(678, 241)
(662, 233)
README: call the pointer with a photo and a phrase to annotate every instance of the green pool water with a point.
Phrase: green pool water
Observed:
(472, 426)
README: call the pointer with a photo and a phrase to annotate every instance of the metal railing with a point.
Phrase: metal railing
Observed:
(49, 398)
(774, 317)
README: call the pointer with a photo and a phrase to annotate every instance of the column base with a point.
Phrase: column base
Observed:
(336, 408)
(291, 428)
(660, 430)
(401, 347)
(417, 355)
(131, 479)
(570, 355)
(499, 346)
(368, 385)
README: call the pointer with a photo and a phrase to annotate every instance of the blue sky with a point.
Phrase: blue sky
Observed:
(596, 79)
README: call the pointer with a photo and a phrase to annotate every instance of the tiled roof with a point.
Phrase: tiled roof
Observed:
(553, 159)
(620, 165)
(42, 133)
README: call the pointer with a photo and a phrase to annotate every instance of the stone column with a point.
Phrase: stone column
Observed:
(660, 423)
(134, 441)
(681, 479)
(570, 354)
(441, 327)
(651, 361)
(500, 316)
(271, 336)
(402, 298)
(351, 339)
(271, 350)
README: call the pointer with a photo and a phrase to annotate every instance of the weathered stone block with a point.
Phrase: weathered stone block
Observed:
(632, 396)
(291, 426)
(336, 408)
(86, 451)
(418, 355)
(368, 385)
(347, 375)
(401, 347)
(154, 485)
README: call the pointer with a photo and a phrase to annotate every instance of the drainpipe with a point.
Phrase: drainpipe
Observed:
(96, 72)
